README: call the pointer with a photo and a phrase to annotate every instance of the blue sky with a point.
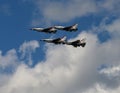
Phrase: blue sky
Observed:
(16, 20)
(15, 23)
(49, 68)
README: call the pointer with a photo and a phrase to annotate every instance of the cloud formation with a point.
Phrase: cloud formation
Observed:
(47, 11)
(67, 69)
(111, 72)
(27, 48)
(10, 59)
(63, 11)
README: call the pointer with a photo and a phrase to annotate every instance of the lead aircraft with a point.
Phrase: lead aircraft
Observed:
(46, 30)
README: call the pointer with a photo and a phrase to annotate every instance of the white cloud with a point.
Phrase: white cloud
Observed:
(10, 62)
(110, 6)
(68, 69)
(98, 88)
(9, 59)
(27, 48)
(62, 11)
(114, 28)
(111, 72)
(47, 11)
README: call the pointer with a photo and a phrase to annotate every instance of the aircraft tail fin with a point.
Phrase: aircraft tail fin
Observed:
(83, 40)
(64, 38)
(76, 25)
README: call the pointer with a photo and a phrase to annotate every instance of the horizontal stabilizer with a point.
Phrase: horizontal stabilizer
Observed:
(83, 44)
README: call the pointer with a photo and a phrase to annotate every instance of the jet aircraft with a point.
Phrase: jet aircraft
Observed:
(68, 28)
(46, 30)
(61, 40)
(77, 43)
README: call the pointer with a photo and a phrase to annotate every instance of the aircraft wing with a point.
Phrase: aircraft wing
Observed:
(79, 41)
(59, 27)
(51, 40)
(75, 42)
(50, 30)
(46, 29)
(56, 40)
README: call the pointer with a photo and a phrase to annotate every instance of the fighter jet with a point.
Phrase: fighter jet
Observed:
(46, 30)
(68, 28)
(61, 40)
(77, 43)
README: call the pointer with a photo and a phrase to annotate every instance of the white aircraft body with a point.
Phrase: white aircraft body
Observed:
(46, 30)
(77, 43)
(55, 41)
(68, 28)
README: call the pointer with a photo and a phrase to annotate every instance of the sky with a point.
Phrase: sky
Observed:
(30, 66)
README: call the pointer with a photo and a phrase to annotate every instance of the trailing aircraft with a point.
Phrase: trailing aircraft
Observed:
(61, 40)
(68, 28)
(77, 43)
(46, 30)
